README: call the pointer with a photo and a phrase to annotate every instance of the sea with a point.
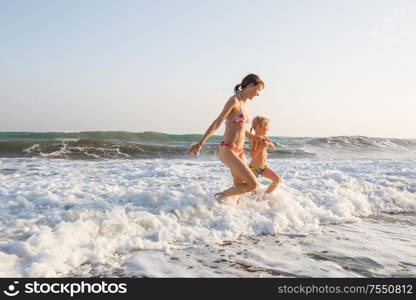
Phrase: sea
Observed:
(133, 204)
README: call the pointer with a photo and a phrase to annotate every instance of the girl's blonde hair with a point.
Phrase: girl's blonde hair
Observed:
(259, 120)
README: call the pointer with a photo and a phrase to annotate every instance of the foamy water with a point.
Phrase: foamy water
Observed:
(159, 218)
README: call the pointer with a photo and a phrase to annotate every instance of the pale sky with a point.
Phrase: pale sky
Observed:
(331, 67)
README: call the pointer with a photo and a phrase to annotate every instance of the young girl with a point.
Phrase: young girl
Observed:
(259, 152)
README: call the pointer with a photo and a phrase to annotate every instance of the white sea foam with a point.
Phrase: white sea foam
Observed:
(59, 216)
(66, 140)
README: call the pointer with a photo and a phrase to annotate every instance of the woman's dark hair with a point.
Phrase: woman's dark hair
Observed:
(250, 78)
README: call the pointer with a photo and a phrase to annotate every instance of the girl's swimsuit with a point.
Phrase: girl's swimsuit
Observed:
(257, 171)
(237, 120)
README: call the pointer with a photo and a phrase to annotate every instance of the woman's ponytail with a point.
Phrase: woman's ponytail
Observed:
(237, 88)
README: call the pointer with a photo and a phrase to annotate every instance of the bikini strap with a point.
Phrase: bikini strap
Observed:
(239, 100)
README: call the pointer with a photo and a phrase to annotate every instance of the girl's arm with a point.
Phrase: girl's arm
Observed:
(214, 126)
(250, 136)
(270, 144)
(253, 137)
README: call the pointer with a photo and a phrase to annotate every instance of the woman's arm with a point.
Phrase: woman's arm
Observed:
(214, 126)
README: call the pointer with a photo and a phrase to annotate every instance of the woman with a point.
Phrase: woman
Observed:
(231, 149)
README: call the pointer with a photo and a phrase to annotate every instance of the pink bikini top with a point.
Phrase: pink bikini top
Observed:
(240, 117)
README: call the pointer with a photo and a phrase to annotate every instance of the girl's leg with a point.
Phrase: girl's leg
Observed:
(268, 173)
(240, 170)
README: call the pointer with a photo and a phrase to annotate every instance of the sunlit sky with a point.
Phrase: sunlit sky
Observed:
(331, 68)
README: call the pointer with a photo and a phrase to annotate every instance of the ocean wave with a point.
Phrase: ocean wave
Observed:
(123, 144)
(149, 136)
(97, 149)
(362, 143)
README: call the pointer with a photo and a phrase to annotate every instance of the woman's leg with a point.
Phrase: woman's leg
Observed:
(240, 170)
(268, 173)
(237, 179)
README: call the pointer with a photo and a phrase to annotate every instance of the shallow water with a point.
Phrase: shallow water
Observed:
(330, 217)
(363, 249)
